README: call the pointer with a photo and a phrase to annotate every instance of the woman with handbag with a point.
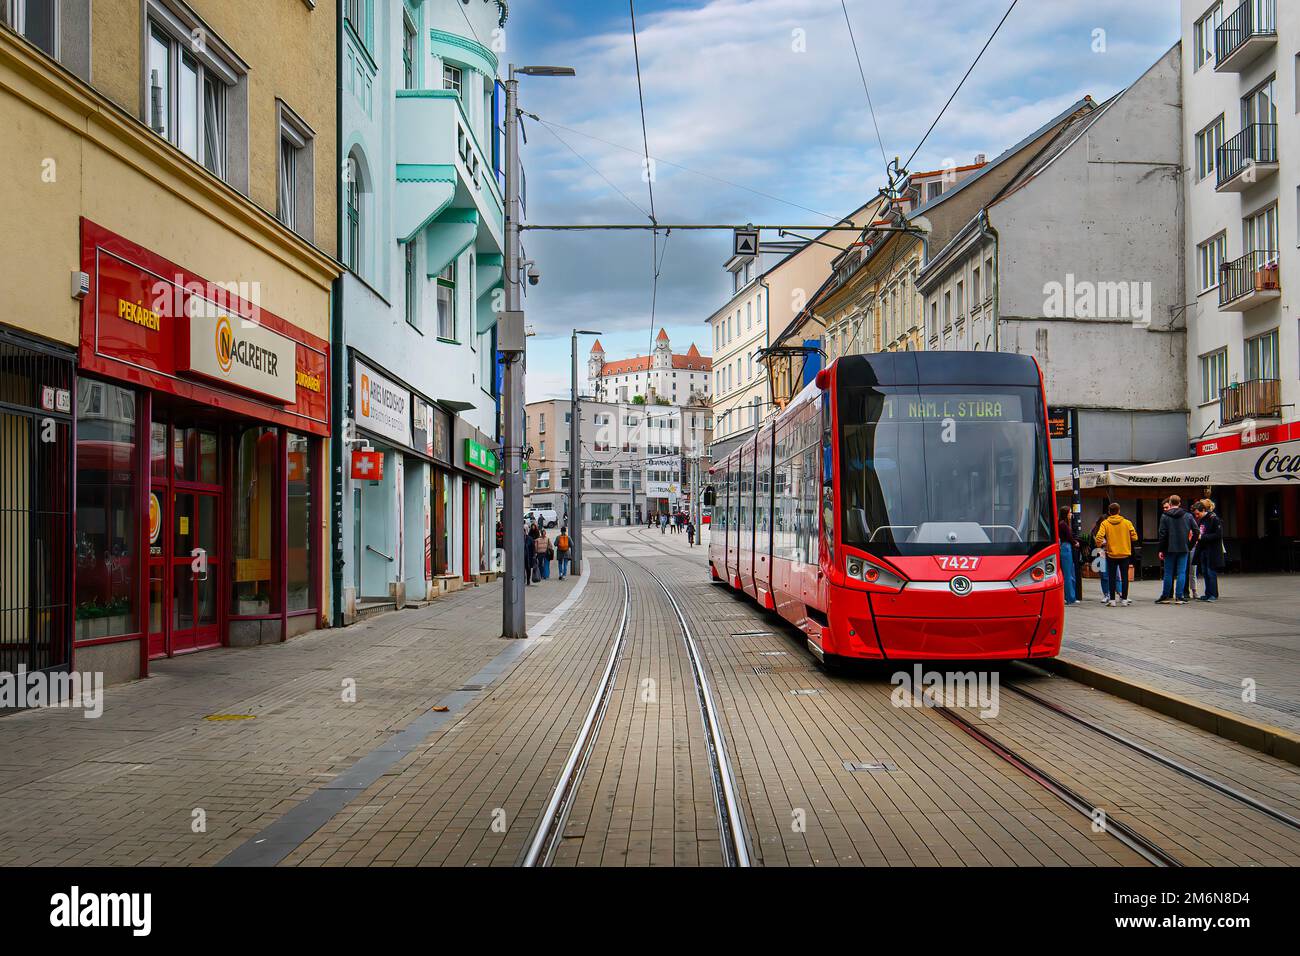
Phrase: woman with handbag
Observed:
(1210, 544)
(544, 553)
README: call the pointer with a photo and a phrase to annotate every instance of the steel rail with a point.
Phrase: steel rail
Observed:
(1147, 849)
(1191, 773)
(725, 801)
(551, 824)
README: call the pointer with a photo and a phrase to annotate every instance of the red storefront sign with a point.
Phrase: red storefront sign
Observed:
(368, 465)
(1268, 435)
(152, 323)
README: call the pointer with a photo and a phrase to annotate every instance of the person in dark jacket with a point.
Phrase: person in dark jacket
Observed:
(1069, 551)
(530, 553)
(1176, 529)
(1210, 548)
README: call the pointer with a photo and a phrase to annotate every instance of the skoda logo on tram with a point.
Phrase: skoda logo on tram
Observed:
(960, 585)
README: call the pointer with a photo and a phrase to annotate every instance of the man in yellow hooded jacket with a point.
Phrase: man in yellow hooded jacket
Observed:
(1116, 535)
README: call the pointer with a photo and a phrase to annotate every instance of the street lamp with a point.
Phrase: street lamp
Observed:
(513, 621)
(575, 458)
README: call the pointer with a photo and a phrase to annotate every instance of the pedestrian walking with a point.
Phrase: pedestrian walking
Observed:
(663, 524)
(1176, 530)
(1069, 548)
(530, 556)
(1210, 546)
(542, 549)
(690, 533)
(563, 544)
(1116, 534)
(1099, 560)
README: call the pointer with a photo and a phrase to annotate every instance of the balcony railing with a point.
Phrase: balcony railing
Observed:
(1250, 280)
(1253, 150)
(1253, 24)
(1256, 398)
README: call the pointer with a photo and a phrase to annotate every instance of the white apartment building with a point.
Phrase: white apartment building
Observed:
(681, 378)
(741, 396)
(1241, 94)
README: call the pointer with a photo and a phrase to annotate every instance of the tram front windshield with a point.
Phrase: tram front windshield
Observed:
(958, 470)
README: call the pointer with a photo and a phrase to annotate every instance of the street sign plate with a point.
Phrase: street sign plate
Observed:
(744, 242)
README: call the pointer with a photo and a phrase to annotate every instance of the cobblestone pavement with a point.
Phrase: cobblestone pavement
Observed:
(123, 789)
(828, 769)
(1203, 651)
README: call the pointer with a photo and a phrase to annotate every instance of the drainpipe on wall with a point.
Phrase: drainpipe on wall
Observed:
(336, 360)
(988, 232)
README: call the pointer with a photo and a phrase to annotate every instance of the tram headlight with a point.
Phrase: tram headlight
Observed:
(1039, 573)
(860, 570)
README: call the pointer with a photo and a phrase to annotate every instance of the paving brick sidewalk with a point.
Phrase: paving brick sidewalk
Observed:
(1202, 651)
(123, 789)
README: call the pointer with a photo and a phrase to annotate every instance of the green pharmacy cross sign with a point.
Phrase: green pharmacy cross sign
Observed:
(480, 457)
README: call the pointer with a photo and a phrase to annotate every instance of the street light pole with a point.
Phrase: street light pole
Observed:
(513, 619)
(575, 457)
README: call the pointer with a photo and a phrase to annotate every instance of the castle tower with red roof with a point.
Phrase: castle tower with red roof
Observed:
(681, 378)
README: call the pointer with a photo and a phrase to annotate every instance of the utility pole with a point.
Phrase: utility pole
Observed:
(513, 618)
(575, 455)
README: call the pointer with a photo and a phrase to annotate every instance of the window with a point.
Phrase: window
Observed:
(975, 297)
(961, 298)
(1203, 35)
(602, 511)
(409, 40)
(451, 78)
(543, 479)
(1208, 142)
(947, 309)
(1259, 234)
(37, 21)
(412, 287)
(358, 14)
(602, 479)
(1214, 375)
(1209, 259)
(254, 515)
(353, 215)
(295, 206)
(1261, 360)
(933, 191)
(186, 102)
(1260, 104)
(300, 545)
(107, 527)
(447, 303)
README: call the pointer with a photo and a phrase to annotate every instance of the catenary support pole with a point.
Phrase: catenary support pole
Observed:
(512, 600)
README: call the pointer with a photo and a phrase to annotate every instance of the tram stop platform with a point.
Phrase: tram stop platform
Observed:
(1231, 667)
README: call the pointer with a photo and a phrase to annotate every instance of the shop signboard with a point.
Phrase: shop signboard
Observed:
(480, 457)
(368, 465)
(380, 405)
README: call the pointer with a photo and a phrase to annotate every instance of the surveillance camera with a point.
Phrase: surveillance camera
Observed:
(534, 276)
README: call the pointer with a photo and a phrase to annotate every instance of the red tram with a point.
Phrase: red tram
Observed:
(901, 507)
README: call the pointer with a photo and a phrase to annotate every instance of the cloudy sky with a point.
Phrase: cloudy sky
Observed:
(755, 112)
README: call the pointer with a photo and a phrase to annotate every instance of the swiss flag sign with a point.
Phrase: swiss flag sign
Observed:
(368, 465)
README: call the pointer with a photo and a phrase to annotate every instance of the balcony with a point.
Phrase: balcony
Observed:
(1247, 158)
(1249, 282)
(442, 168)
(1245, 35)
(1257, 398)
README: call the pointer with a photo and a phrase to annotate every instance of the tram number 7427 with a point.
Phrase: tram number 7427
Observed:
(901, 506)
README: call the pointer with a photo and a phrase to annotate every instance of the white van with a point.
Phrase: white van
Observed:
(545, 517)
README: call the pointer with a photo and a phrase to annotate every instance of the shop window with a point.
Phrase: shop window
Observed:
(194, 454)
(299, 543)
(108, 526)
(440, 497)
(484, 517)
(253, 512)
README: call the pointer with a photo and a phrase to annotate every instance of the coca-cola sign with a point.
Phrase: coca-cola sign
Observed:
(1272, 465)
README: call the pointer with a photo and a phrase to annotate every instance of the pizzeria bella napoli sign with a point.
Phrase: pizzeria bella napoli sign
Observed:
(1266, 464)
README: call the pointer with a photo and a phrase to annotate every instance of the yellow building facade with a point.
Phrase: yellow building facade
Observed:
(165, 315)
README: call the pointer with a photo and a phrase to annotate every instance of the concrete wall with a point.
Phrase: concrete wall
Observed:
(1106, 210)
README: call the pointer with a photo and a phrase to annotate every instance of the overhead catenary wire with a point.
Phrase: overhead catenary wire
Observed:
(612, 185)
(649, 178)
(862, 73)
(968, 72)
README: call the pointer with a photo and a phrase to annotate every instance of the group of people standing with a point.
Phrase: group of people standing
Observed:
(678, 522)
(540, 551)
(1191, 547)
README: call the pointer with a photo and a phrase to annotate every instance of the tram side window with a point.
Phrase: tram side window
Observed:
(763, 498)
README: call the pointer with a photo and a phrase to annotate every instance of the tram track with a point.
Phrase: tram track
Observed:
(550, 829)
